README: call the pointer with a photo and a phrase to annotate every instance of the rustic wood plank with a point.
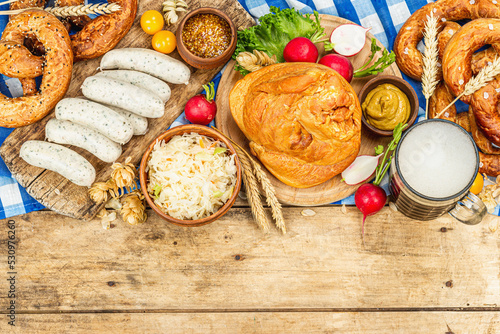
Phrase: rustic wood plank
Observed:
(64, 264)
(260, 322)
(62, 196)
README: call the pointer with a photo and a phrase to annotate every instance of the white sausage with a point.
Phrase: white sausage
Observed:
(140, 79)
(59, 159)
(123, 95)
(139, 123)
(66, 132)
(97, 117)
(148, 61)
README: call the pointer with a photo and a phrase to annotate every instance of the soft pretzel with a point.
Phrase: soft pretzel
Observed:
(457, 65)
(448, 30)
(99, 35)
(408, 58)
(58, 64)
(485, 102)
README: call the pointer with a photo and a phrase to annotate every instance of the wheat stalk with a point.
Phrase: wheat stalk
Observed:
(268, 188)
(430, 59)
(65, 11)
(271, 199)
(98, 8)
(252, 191)
(485, 75)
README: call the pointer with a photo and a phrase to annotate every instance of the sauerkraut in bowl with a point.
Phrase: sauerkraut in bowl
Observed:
(191, 176)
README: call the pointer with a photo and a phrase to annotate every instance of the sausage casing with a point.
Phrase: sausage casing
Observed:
(59, 159)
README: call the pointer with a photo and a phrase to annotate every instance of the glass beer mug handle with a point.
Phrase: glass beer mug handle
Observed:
(469, 210)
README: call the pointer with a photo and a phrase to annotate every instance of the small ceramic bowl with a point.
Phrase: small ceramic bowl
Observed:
(199, 62)
(166, 136)
(405, 88)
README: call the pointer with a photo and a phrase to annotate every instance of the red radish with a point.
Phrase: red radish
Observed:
(348, 39)
(300, 49)
(361, 169)
(201, 109)
(340, 64)
(369, 199)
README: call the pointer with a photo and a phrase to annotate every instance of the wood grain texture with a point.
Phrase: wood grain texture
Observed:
(329, 191)
(60, 195)
(261, 322)
(321, 263)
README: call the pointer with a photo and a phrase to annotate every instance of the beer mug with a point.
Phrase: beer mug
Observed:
(433, 168)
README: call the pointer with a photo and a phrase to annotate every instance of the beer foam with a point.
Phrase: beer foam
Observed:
(437, 159)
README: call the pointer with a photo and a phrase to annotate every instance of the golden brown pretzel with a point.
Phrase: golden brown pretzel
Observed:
(448, 30)
(17, 62)
(484, 102)
(481, 141)
(99, 35)
(105, 31)
(440, 100)
(457, 66)
(489, 164)
(408, 58)
(58, 60)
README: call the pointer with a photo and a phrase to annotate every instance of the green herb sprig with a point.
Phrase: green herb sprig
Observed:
(384, 165)
(379, 66)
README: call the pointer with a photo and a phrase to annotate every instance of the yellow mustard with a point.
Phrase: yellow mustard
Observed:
(386, 106)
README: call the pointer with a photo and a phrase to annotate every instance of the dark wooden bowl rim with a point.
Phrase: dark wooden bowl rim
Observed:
(180, 130)
(401, 84)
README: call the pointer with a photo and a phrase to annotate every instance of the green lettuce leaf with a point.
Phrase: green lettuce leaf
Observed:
(274, 32)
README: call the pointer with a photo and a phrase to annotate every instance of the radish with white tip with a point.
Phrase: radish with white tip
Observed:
(347, 39)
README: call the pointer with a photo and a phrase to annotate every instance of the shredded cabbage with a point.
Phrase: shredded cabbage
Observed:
(191, 176)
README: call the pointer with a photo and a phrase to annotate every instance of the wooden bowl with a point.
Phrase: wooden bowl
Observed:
(206, 63)
(405, 88)
(180, 130)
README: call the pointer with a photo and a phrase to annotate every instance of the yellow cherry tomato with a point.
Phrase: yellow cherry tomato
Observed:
(477, 186)
(164, 41)
(152, 22)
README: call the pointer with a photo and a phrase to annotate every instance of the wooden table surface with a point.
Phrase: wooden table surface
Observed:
(408, 276)
(62, 275)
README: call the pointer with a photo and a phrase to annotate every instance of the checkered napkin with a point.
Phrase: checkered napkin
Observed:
(384, 16)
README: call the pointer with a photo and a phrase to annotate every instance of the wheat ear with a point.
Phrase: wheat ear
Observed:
(66, 11)
(253, 191)
(485, 75)
(430, 60)
(98, 8)
(268, 188)
(271, 199)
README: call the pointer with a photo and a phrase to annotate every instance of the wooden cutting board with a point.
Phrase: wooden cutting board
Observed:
(333, 189)
(62, 196)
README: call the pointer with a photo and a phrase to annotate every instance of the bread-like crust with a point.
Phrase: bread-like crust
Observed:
(457, 65)
(17, 62)
(408, 58)
(481, 141)
(484, 103)
(303, 121)
(99, 35)
(105, 31)
(439, 100)
(20, 111)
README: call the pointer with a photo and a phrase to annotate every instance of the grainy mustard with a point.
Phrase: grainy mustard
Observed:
(206, 35)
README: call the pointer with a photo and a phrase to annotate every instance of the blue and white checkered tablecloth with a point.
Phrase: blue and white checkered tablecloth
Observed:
(384, 16)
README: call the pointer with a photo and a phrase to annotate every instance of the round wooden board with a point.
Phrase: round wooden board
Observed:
(333, 189)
